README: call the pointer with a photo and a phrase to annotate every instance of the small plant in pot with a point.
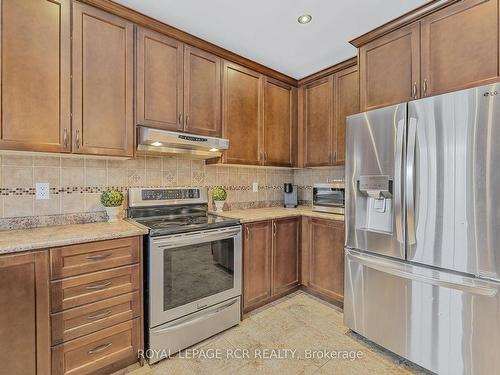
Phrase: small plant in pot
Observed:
(219, 196)
(112, 202)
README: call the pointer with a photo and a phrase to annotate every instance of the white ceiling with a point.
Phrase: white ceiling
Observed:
(267, 31)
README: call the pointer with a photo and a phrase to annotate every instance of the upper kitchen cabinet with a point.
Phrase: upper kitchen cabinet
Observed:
(242, 112)
(460, 46)
(103, 58)
(159, 68)
(178, 87)
(279, 123)
(35, 75)
(346, 84)
(389, 68)
(202, 92)
(318, 102)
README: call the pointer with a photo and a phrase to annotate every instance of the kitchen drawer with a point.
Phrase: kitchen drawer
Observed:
(80, 321)
(102, 352)
(92, 287)
(94, 256)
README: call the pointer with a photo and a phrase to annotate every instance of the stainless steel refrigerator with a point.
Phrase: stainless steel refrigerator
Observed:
(422, 256)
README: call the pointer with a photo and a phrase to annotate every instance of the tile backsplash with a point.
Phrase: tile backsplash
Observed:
(77, 181)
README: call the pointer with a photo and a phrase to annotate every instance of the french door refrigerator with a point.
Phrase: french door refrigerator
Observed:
(422, 256)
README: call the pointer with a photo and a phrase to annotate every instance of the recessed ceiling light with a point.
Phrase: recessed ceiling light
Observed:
(306, 18)
(214, 149)
(156, 144)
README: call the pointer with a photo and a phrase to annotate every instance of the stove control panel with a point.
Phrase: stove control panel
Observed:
(169, 194)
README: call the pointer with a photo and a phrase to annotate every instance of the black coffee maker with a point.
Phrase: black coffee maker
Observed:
(290, 196)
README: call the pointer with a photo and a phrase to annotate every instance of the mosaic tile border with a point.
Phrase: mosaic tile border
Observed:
(20, 191)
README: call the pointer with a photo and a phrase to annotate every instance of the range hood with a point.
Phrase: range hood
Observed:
(162, 142)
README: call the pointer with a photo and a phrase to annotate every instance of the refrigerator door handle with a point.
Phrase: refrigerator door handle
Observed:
(479, 287)
(410, 180)
(398, 196)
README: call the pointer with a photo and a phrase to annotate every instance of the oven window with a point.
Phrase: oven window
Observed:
(197, 271)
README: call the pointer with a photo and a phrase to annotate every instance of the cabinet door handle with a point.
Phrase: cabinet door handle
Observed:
(98, 286)
(275, 228)
(335, 156)
(425, 87)
(265, 156)
(180, 118)
(248, 233)
(99, 316)
(187, 120)
(77, 138)
(100, 348)
(98, 256)
(65, 137)
(414, 90)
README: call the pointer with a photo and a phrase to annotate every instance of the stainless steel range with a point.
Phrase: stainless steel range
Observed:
(193, 262)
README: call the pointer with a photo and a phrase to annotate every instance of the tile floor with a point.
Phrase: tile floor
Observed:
(296, 323)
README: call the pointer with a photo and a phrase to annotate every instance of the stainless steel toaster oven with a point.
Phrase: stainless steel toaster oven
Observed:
(329, 197)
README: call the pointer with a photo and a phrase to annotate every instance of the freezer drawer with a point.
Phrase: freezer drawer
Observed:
(447, 323)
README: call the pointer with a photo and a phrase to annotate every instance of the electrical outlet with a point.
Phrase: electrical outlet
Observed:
(255, 187)
(42, 190)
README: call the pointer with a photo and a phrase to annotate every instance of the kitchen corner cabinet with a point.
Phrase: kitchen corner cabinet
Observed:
(24, 317)
(103, 71)
(258, 118)
(389, 68)
(279, 123)
(327, 102)
(270, 260)
(323, 257)
(451, 49)
(36, 75)
(178, 87)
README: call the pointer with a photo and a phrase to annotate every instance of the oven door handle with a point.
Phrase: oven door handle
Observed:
(196, 238)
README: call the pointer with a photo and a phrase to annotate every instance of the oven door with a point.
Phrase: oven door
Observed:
(192, 271)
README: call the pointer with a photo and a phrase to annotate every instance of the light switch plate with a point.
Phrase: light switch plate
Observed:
(255, 187)
(42, 190)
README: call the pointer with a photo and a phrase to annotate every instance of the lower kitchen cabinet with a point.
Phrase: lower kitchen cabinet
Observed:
(24, 314)
(323, 257)
(270, 260)
(257, 248)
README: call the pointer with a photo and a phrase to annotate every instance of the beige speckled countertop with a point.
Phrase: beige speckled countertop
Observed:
(258, 214)
(41, 238)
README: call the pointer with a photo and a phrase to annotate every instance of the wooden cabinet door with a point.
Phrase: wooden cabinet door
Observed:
(257, 246)
(285, 254)
(202, 92)
(278, 123)
(460, 46)
(242, 110)
(159, 80)
(326, 258)
(318, 112)
(35, 75)
(24, 318)
(103, 57)
(389, 68)
(346, 103)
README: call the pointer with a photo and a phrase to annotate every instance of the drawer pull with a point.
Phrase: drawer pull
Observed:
(98, 256)
(99, 316)
(100, 348)
(98, 286)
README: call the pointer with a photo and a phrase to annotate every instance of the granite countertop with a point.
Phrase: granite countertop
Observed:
(258, 214)
(13, 241)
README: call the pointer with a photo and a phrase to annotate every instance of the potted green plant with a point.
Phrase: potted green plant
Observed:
(219, 196)
(112, 201)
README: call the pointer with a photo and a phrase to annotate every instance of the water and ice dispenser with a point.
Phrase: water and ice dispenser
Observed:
(375, 199)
